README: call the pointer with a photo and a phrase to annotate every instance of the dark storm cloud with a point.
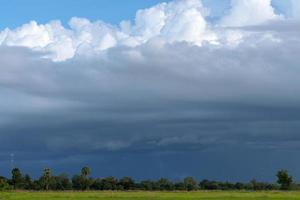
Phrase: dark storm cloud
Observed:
(150, 97)
(153, 98)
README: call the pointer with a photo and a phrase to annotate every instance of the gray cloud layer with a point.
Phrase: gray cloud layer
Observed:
(156, 94)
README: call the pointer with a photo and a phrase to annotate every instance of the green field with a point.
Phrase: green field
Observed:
(148, 195)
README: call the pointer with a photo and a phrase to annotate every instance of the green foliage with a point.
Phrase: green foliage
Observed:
(46, 179)
(4, 184)
(27, 182)
(109, 183)
(84, 182)
(127, 183)
(190, 184)
(164, 184)
(85, 171)
(147, 185)
(17, 178)
(284, 179)
(81, 183)
(61, 182)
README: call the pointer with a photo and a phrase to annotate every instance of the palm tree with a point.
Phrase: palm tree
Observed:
(47, 177)
(85, 171)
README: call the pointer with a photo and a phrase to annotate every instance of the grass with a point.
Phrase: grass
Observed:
(216, 195)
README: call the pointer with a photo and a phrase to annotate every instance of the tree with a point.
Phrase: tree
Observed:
(4, 184)
(254, 184)
(85, 171)
(28, 184)
(239, 186)
(97, 184)
(86, 181)
(209, 185)
(60, 182)
(63, 182)
(16, 178)
(165, 184)
(284, 179)
(127, 183)
(46, 178)
(77, 181)
(82, 181)
(147, 185)
(190, 183)
(109, 183)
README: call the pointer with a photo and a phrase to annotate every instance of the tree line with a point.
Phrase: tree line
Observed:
(83, 181)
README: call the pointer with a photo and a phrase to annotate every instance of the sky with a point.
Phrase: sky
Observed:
(151, 89)
(112, 11)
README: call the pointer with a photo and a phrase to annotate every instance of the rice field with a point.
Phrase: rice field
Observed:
(216, 195)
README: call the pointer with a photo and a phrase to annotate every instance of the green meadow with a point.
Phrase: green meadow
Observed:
(216, 195)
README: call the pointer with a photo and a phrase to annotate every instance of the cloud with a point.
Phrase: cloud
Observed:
(52, 37)
(249, 12)
(122, 81)
(152, 96)
(177, 21)
(296, 9)
(174, 22)
(169, 82)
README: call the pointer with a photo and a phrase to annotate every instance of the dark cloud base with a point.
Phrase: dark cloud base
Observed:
(232, 163)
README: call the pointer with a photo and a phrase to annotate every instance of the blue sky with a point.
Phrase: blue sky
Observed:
(17, 12)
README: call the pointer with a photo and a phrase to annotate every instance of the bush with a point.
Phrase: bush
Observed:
(4, 184)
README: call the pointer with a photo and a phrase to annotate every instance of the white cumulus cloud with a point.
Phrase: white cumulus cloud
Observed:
(249, 12)
(176, 21)
(296, 8)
